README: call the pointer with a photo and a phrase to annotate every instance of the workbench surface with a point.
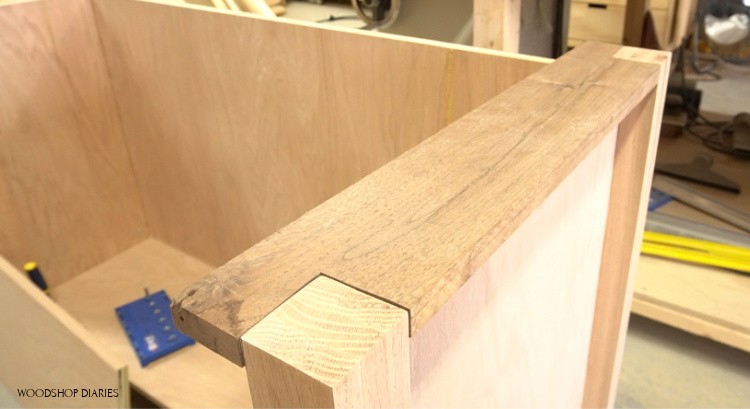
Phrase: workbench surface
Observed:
(706, 301)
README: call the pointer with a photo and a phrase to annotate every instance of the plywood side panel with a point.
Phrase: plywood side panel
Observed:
(67, 190)
(517, 333)
(239, 125)
(479, 77)
(415, 230)
(45, 348)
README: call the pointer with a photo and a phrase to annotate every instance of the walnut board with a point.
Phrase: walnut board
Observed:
(448, 236)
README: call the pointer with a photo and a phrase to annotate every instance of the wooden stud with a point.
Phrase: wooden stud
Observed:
(497, 24)
(259, 7)
(635, 13)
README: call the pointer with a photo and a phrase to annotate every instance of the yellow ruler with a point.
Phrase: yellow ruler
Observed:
(696, 251)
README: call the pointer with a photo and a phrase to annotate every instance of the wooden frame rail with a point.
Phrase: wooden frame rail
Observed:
(473, 201)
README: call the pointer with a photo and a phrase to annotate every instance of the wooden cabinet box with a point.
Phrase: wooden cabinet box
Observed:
(604, 20)
(427, 224)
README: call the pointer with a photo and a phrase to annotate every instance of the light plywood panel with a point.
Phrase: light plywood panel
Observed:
(61, 145)
(525, 316)
(191, 377)
(42, 347)
(415, 230)
(239, 125)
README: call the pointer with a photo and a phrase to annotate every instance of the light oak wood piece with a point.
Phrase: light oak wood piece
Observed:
(193, 376)
(497, 24)
(56, 352)
(330, 345)
(58, 117)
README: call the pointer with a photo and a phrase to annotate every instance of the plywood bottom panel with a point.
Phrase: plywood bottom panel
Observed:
(517, 333)
(192, 377)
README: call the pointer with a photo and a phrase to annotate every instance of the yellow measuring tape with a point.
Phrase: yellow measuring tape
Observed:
(696, 251)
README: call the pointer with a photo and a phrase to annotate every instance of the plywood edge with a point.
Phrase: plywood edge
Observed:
(693, 324)
(4, 3)
(416, 229)
(329, 345)
(342, 29)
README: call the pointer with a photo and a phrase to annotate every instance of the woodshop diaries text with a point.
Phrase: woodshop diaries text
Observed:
(68, 393)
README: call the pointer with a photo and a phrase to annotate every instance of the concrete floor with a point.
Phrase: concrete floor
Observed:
(666, 367)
